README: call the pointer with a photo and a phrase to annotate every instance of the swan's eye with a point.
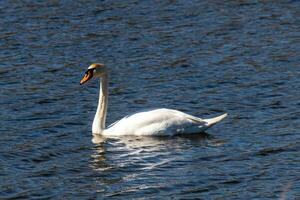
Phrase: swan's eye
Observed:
(89, 72)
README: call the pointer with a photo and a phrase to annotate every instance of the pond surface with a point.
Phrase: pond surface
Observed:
(201, 57)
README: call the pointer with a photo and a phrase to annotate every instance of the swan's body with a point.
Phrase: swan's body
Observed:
(159, 122)
(152, 122)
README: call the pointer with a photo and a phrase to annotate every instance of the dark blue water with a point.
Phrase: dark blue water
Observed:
(200, 57)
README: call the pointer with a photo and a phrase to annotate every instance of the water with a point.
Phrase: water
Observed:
(201, 57)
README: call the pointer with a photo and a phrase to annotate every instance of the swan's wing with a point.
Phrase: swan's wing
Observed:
(156, 122)
(144, 111)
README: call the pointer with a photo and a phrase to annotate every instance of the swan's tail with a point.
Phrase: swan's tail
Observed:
(214, 120)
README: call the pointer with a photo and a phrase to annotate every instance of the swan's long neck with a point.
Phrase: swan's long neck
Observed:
(100, 117)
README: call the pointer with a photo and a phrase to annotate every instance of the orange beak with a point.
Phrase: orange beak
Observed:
(87, 76)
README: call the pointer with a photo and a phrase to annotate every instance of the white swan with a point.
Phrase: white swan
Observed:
(152, 122)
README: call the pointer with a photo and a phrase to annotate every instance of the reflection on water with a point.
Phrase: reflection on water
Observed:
(98, 157)
(132, 159)
(200, 57)
(137, 148)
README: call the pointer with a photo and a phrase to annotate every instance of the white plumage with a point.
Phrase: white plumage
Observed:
(156, 122)
(161, 122)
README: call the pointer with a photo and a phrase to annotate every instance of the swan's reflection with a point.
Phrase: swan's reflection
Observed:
(98, 157)
(116, 152)
(146, 141)
(121, 163)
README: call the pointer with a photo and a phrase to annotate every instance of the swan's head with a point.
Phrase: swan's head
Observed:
(94, 70)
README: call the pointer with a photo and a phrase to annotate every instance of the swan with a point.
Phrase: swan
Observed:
(154, 122)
